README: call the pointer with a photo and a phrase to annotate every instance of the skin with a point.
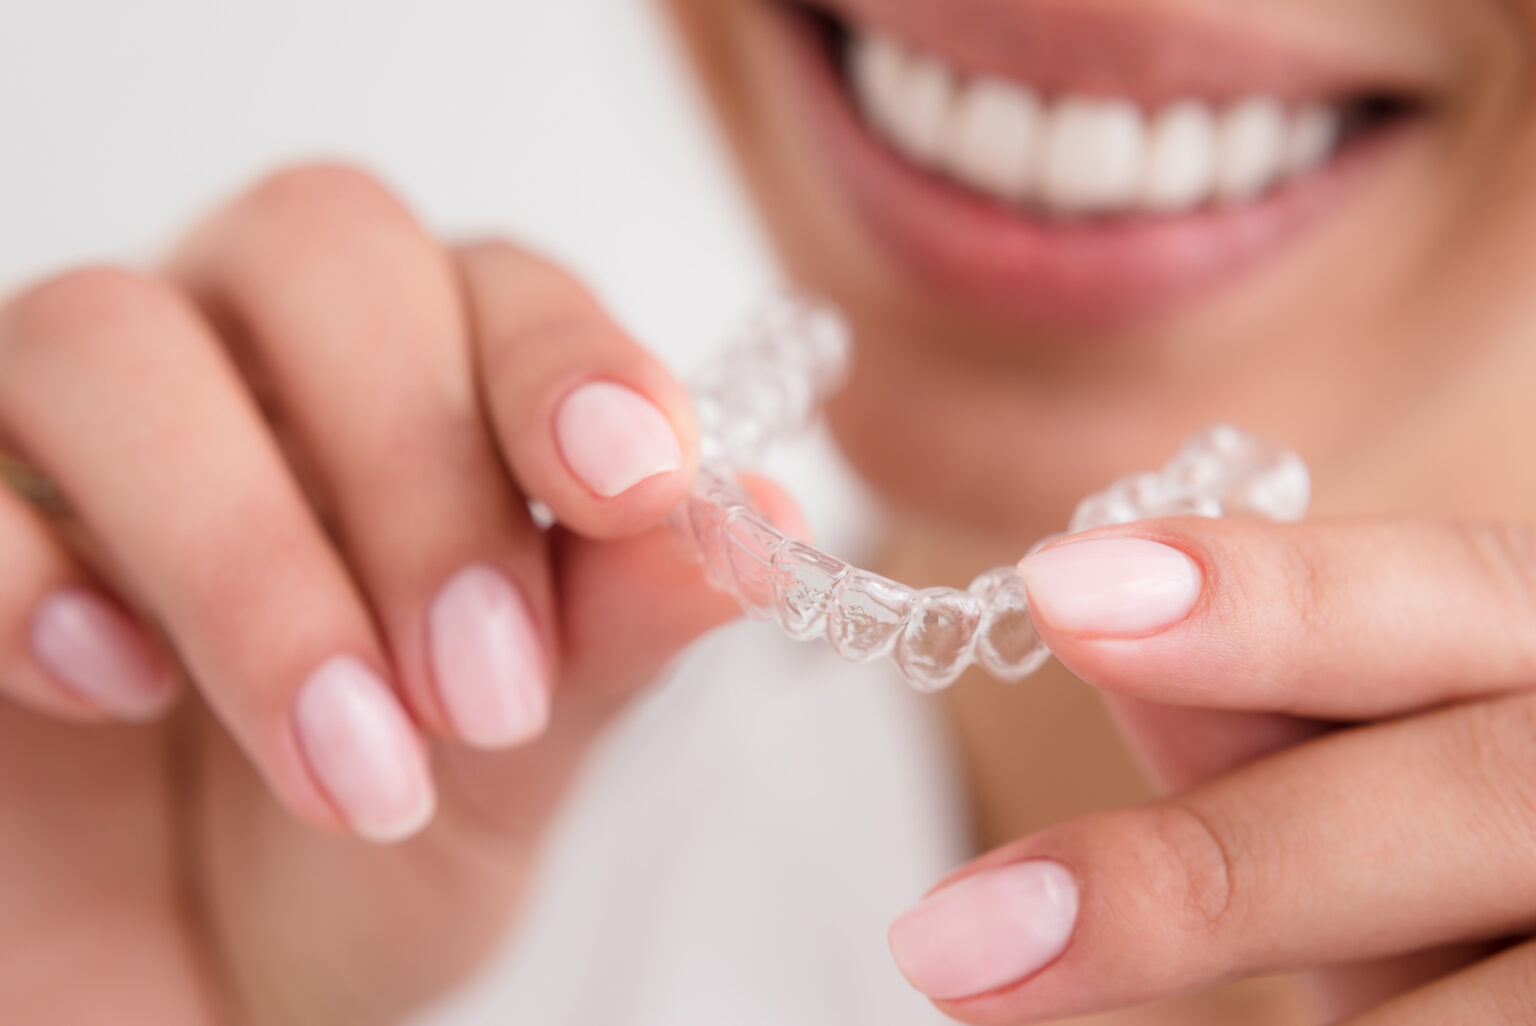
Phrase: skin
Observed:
(1388, 398)
(215, 881)
(212, 881)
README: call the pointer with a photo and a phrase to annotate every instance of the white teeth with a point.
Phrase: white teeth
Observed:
(1083, 156)
(927, 98)
(1313, 135)
(994, 139)
(1250, 149)
(1094, 155)
(1181, 158)
(879, 64)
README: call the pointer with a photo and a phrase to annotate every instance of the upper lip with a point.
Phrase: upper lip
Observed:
(1147, 53)
(1091, 276)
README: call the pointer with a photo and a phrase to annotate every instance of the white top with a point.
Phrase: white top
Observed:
(736, 853)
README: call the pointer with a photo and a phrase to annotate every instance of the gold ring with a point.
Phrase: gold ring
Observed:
(33, 488)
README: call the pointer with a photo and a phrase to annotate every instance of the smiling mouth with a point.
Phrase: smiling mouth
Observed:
(1097, 168)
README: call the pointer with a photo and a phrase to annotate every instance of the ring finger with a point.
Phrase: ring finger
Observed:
(118, 391)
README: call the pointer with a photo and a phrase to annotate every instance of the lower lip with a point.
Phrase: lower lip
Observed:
(1064, 276)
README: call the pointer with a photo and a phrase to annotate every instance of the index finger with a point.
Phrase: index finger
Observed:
(1344, 621)
(591, 424)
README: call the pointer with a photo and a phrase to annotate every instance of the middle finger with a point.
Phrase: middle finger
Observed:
(1365, 844)
(351, 314)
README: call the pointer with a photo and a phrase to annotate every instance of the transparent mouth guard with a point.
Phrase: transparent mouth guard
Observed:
(770, 383)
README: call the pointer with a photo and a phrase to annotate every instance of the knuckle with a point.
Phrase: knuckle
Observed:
(83, 304)
(320, 186)
(325, 200)
(304, 231)
(1196, 865)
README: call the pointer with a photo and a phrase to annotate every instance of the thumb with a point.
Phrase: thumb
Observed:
(629, 606)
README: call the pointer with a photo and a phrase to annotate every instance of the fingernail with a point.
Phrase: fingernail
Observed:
(95, 651)
(613, 438)
(1113, 587)
(489, 661)
(363, 751)
(987, 931)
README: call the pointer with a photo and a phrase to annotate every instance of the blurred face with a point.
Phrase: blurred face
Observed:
(1070, 232)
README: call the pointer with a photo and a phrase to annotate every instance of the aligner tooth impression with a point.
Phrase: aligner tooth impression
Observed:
(769, 385)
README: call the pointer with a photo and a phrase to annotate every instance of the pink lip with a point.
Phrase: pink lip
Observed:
(1055, 275)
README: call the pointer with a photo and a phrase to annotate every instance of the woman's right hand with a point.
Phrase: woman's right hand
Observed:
(297, 465)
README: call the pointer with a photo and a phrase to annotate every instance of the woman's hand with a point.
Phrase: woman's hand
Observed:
(298, 465)
(1397, 853)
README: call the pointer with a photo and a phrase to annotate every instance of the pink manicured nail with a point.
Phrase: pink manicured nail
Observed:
(987, 931)
(99, 654)
(363, 751)
(613, 438)
(488, 660)
(1113, 587)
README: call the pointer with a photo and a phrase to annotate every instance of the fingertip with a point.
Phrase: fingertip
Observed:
(590, 423)
(613, 438)
(1113, 588)
(489, 661)
(412, 821)
(363, 753)
(98, 653)
(1126, 609)
(987, 931)
(618, 454)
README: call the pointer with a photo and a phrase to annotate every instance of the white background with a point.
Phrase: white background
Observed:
(567, 124)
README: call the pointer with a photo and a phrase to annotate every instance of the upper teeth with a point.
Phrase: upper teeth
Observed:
(1077, 155)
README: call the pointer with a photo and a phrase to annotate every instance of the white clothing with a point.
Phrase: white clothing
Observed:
(736, 852)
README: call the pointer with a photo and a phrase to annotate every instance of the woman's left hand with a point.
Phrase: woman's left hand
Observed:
(1402, 841)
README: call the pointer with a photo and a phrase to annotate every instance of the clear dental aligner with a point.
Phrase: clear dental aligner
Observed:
(770, 384)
